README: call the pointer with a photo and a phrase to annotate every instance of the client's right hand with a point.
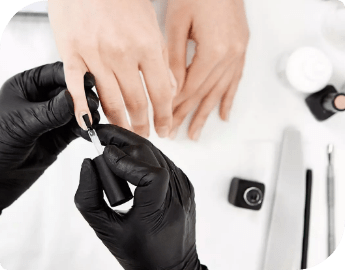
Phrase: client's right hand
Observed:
(158, 232)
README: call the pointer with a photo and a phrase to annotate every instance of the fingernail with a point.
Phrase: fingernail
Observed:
(173, 133)
(163, 132)
(81, 120)
(173, 82)
(196, 135)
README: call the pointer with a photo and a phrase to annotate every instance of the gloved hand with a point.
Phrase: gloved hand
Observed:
(36, 124)
(158, 232)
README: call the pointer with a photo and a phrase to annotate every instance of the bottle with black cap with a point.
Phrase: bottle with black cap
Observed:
(116, 189)
(326, 103)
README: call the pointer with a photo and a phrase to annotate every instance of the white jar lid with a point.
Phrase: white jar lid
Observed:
(308, 69)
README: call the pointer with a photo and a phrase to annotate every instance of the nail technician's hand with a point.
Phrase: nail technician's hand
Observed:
(114, 39)
(158, 232)
(220, 30)
(36, 124)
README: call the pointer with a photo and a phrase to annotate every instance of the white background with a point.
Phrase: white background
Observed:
(43, 229)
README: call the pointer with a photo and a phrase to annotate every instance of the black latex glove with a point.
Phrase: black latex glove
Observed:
(158, 232)
(36, 124)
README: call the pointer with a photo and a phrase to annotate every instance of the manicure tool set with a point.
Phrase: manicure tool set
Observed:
(288, 233)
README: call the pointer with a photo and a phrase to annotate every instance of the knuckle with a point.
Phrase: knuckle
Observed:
(149, 49)
(120, 49)
(137, 106)
(163, 120)
(91, 46)
(143, 148)
(70, 67)
(147, 45)
(220, 50)
(135, 153)
(239, 47)
(112, 114)
(140, 150)
(163, 96)
(142, 130)
(162, 175)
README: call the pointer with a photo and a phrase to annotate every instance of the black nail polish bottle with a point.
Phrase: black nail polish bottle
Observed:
(326, 103)
(116, 189)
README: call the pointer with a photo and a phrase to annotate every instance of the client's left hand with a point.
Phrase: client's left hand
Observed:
(221, 34)
(36, 124)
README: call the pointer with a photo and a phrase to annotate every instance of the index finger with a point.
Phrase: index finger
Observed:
(45, 82)
(111, 134)
(115, 135)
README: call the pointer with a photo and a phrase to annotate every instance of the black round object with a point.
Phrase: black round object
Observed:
(253, 196)
(116, 189)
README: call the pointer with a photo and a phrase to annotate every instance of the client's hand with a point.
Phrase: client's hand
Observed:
(158, 232)
(36, 124)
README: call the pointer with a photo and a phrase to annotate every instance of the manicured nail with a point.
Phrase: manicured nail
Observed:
(196, 135)
(87, 121)
(81, 120)
(163, 132)
(173, 133)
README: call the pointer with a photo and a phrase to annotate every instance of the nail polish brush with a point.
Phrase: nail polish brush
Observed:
(116, 189)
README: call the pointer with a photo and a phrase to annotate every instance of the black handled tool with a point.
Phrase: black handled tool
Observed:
(307, 210)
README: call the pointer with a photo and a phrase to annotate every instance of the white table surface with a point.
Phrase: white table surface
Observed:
(43, 229)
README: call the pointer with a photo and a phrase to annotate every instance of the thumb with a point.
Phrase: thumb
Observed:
(51, 114)
(152, 182)
(177, 33)
(89, 200)
(89, 195)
